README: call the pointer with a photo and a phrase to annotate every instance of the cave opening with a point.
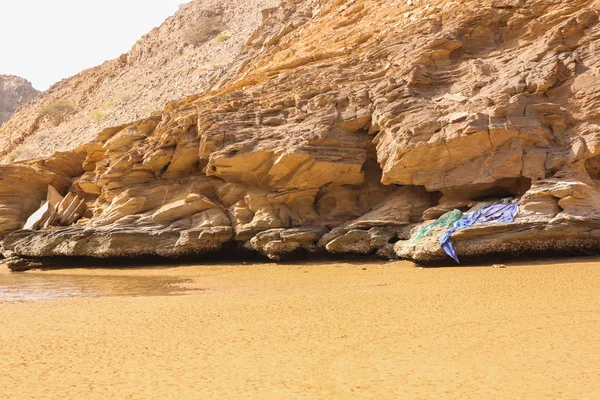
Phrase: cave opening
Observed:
(510, 187)
(592, 167)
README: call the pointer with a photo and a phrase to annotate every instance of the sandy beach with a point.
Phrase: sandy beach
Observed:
(309, 331)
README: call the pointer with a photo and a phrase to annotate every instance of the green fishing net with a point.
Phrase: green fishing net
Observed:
(445, 221)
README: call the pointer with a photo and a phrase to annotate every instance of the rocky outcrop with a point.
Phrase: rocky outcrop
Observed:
(14, 93)
(352, 124)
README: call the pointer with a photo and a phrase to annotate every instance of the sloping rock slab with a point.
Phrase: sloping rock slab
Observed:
(487, 241)
(115, 242)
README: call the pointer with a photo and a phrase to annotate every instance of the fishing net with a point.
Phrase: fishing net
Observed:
(445, 221)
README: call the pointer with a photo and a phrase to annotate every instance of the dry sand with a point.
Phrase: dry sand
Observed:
(320, 331)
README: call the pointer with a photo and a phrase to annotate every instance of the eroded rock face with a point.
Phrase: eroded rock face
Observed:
(14, 93)
(351, 125)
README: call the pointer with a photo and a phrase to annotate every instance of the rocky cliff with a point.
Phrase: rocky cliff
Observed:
(14, 93)
(348, 126)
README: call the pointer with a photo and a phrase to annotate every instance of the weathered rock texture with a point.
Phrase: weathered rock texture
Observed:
(14, 93)
(349, 124)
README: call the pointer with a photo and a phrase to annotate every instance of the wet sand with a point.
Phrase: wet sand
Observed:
(318, 331)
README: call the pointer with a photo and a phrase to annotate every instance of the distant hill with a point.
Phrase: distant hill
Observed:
(14, 93)
(190, 52)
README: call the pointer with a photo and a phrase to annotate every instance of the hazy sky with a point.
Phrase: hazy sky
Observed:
(45, 41)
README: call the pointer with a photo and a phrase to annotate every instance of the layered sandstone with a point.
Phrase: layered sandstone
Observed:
(349, 125)
(15, 92)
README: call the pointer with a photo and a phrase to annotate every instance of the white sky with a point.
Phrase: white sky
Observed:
(45, 41)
